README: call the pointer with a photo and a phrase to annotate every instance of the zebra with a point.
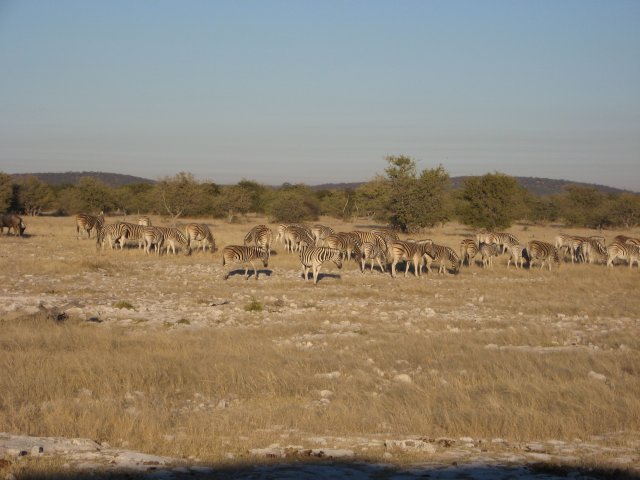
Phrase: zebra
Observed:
(296, 236)
(313, 258)
(409, 252)
(516, 255)
(152, 236)
(86, 222)
(488, 251)
(628, 250)
(261, 236)
(320, 232)
(468, 250)
(591, 248)
(373, 252)
(573, 244)
(505, 240)
(144, 221)
(486, 237)
(543, 251)
(114, 232)
(386, 233)
(133, 231)
(173, 235)
(344, 242)
(244, 254)
(200, 232)
(441, 253)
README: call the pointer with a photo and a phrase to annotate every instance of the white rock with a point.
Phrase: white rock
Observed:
(403, 378)
(597, 376)
(410, 444)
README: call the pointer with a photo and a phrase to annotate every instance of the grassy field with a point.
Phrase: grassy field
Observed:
(159, 354)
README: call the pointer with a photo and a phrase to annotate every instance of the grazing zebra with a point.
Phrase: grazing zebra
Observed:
(386, 233)
(409, 252)
(144, 221)
(320, 232)
(200, 232)
(628, 251)
(592, 248)
(573, 244)
(152, 236)
(113, 232)
(86, 223)
(468, 251)
(441, 254)
(244, 254)
(486, 237)
(313, 258)
(295, 237)
(516, 255)
(505, 240)
(260, 236)
(133, 232)
(342, 241)
(488, 251)
(173, 235)
(543, 251)
(373, 252)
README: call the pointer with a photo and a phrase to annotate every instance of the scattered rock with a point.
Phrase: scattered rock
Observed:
(597, 376)
(410, 445)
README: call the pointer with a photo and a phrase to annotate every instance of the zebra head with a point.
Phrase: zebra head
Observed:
(264, 254)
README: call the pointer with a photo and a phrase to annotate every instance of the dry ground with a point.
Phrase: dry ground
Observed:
(495, 368)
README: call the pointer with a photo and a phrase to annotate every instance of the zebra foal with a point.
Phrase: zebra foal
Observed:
(243, 255)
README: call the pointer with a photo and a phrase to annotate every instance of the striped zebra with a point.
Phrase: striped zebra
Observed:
(441, 254)
(505, 240)
(543, 251)
(200, 232)
(320, 232)
(487, 237)
(244, 255)
(468, 251)
(86, 223)
(386, 233)
(133, 232)
(409, 252)
(516, 255)
(152, 236)
(344, 242)
(624, 251)
(114, 233)
(487, 252)
(572, 244)
(144, 221)
(312, 259)
(373, 253)
(260, 236)
(173, 236)
(295, 237)
(592, 248)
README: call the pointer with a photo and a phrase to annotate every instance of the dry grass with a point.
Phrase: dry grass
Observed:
(229, 366)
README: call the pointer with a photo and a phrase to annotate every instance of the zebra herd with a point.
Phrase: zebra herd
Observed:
(148, 236)
(318, 244)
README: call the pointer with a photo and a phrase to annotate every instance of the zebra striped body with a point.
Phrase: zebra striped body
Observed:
(295, 237)
(505, 240)
(624, 251)
(468, 251)
(133, 232)
(144, 221)
(409, 252)
(320, 232)
(386, 233)
(488, 251)
(592, 248)
(260, 236)
(441, 254)
(313, 258)
(373, 253)
(342, 241)
(543, 251)
(486, 237)
(244, 255)
(86, 223)
(113, 233)
(199, 232)
(173, 236)
(516, 255)
(152, 236)
(573, 244)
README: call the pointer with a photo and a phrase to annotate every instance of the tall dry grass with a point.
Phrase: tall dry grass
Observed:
(490, 353)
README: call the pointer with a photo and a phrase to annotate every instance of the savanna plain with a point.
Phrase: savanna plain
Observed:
(492, 367)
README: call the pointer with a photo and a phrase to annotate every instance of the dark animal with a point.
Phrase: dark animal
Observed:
(12, 222)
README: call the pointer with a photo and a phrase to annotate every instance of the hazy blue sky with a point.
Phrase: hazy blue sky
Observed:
(321, 91)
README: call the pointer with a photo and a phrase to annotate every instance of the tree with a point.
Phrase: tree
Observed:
(94, 195)
(625, 210)
(6, 191)
(293, 203)
(177, 195)
(372, 199)
(492, 201)
(338, 203)
(34, 195)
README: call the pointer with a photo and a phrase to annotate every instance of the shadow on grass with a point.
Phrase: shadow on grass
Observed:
(240, 272)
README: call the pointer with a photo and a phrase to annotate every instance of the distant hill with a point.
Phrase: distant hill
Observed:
(536, 185)
(71, 178)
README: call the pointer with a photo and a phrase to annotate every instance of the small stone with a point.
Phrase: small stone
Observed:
(597, 376)
(403, 378)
